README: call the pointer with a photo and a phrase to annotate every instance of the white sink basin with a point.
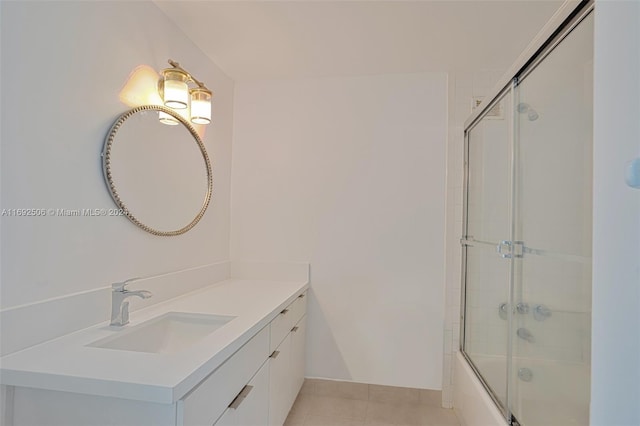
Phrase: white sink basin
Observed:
(168, 333)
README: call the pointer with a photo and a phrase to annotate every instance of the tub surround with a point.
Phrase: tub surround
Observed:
(473, 406)
(68, 364)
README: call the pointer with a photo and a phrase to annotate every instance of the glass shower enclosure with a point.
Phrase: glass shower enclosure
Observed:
(527, 235)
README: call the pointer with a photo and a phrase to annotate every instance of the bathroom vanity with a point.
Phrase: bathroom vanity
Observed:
(228, 354)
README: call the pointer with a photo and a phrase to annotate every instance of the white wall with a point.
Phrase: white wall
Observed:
(349, 173)
(63, 66)
(615, 385)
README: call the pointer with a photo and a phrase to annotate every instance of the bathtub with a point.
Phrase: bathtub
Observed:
(563, 402)
(471, 402)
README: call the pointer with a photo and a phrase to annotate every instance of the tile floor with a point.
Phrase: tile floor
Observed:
(331, 403)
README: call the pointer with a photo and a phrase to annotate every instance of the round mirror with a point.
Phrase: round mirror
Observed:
(158, 175)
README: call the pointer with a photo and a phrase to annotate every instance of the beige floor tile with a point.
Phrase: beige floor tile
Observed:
(292, 423)
(308, 387)
(302, 403)
(441, 417)
(408, 415)
(373, 422)
(347, 390)
(295, 419)
(331, 421)
(379, 393)
(432, 398)
(379, 413)
(326, 388)
(338, 407)
(312, 382)
(354, 390)
(311, 409)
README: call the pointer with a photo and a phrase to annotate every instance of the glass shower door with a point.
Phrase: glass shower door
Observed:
(487, 274)
(550, 375)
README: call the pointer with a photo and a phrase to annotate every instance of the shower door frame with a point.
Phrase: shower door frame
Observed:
(467, 240)
(568, 17)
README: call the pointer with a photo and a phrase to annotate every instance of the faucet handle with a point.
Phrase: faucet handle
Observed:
(122, 286)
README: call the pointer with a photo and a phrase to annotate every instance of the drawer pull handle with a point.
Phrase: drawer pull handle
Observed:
(241, 396)
(274, 355)
(301, 296)
(294, 329)
(284, 311)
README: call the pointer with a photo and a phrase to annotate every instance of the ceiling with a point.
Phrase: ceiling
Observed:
(296, 39)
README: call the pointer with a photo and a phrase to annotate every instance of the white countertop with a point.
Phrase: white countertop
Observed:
(67, 364)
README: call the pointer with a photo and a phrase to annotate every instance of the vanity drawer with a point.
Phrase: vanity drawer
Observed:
(213, 395)
(252, 408)
(299, 308)
(280, 327)
(284, 322)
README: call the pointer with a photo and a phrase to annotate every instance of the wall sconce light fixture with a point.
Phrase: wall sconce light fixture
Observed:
(192, 103)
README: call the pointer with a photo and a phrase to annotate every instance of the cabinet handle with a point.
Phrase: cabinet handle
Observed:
(284, 311)
(294, 329)
(241, 396)
(301, 296)
(274, 355)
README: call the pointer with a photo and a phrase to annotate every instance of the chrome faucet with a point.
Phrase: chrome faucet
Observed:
(119, 304)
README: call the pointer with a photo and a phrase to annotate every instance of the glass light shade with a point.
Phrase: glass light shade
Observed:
(167, 119)
(175, 90)
(200, 106)
(170, 120)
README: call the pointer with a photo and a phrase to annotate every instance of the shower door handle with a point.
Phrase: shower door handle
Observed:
(500, 247)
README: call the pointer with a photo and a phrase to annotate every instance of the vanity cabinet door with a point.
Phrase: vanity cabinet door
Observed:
(208, 401)
(286, 366)
(286, 362)
(251, 407)
(280, 383)
(298, 337)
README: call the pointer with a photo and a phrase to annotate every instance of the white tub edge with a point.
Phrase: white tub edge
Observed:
(472, 404)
